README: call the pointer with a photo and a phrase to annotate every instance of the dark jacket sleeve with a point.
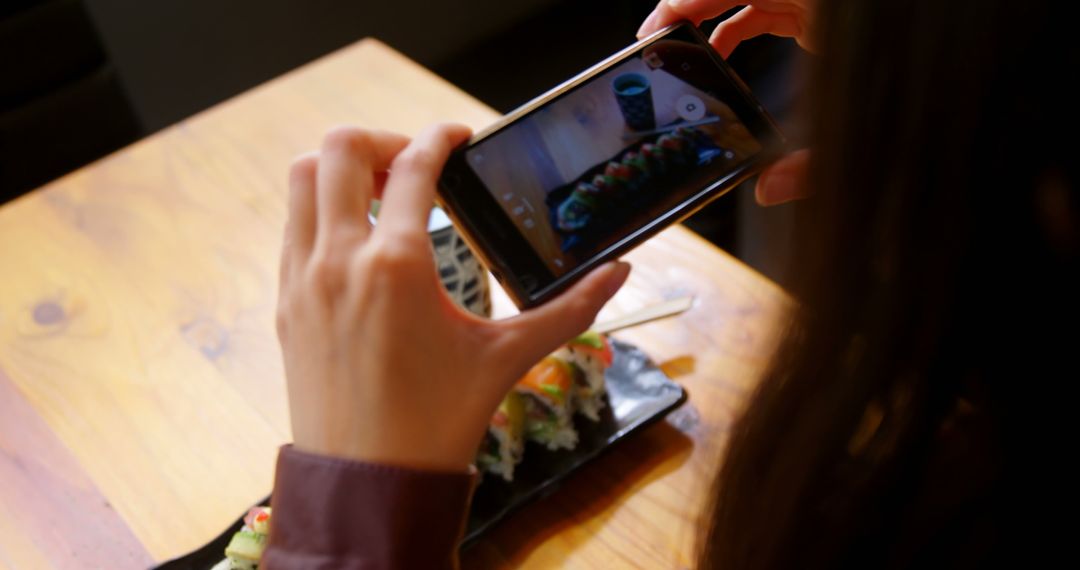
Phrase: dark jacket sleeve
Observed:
(347, 515)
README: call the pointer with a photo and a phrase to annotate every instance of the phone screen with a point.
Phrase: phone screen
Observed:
(581, 172)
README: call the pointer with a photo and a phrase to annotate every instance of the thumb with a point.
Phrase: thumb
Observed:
(784, 181)
(535, 333)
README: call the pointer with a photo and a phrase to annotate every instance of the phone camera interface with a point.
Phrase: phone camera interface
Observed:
(611, 154)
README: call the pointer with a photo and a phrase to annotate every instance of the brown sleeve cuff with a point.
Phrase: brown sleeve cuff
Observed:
(336, 513)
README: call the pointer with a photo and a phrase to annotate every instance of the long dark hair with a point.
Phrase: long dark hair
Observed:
(935, 259)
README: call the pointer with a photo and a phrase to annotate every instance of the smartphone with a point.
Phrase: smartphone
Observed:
(592, 168)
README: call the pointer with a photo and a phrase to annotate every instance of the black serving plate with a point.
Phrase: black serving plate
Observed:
(639, 393)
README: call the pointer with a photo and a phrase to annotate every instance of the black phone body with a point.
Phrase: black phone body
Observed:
(594, 167)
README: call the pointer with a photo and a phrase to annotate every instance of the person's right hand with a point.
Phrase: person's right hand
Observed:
(784, 180)
(381, 366)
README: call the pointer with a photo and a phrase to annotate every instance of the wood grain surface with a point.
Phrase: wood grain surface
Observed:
(62, 519)
(144, 401)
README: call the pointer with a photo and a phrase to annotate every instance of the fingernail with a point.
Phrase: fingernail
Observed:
(679, 3)
(647, 27)
(777, 188)
(760, 188)
(618, 277)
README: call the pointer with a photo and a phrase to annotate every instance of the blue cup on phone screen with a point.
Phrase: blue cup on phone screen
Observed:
(634, 94)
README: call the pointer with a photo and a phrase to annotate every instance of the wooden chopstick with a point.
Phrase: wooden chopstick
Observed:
(645, 315)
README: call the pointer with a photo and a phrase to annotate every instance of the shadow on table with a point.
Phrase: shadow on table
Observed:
(580, 500)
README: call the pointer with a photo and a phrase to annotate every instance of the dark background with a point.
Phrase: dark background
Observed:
(82, 78)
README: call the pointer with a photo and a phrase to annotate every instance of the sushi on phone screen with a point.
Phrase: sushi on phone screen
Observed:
(572, 174)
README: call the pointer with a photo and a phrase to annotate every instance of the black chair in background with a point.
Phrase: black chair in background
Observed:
(61, 101)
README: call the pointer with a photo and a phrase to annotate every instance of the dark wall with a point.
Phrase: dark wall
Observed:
(77, 87)
(61, 100)
(176, 57)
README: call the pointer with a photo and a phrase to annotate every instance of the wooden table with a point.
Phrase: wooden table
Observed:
(142, 398)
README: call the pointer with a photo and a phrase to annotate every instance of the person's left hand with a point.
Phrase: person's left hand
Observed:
(784, 180)
(785, 18)
(381, 366)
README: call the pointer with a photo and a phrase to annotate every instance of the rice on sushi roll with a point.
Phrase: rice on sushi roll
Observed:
(590, 354)
(504, 444)
(547, 389)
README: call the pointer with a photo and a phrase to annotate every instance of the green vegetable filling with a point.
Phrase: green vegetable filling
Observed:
(553, 390)
(589, 338)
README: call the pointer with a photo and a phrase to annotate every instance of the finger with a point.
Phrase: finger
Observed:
(668, 12)
(410, 188)
(380, 188)
(346, 176)
(537, 332)
(652, 22)
(299, 235)
(380, 184)
(300, 226)
(751, 22)
(784, 181)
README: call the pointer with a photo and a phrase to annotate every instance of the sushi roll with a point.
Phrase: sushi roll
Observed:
(549, 404)
(246, 547)
(625, 174)
(609, 186)
(657, 156)
(693, 138)
(576, 211)
(672, 141)
(590, 354)
(640, 164)
(691, 134)
(679, 147)
(504, 444)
